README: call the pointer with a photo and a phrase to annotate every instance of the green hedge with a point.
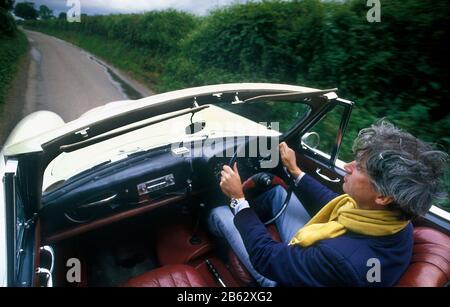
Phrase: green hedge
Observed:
(11, 50)
(156, 33)
(13, 44)
(397, 68)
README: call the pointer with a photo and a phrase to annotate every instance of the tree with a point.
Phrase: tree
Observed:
(45, 12)
(7, 24)
(26, 10)
(7, 4)
(62, 15)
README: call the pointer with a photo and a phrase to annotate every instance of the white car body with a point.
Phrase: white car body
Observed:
(52, 151)
(42, 127)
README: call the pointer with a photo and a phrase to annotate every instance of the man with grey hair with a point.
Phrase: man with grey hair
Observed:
(361, 238)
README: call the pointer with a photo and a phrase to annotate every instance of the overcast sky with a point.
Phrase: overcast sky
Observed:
(91, 7)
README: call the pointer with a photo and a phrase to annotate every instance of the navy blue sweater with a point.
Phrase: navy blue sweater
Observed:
(341, 261)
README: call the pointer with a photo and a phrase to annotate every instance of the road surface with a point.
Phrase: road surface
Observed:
(67, 80)
(60, 77)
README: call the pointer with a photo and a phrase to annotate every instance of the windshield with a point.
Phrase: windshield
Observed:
(267, 118)
(281, 114)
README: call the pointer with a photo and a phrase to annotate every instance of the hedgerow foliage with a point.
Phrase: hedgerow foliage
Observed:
(13, 46)
(397, 68)
(155, 34)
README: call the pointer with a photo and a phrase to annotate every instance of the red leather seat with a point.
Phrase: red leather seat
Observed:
(173, 244)
(177, 275)
(430, 264)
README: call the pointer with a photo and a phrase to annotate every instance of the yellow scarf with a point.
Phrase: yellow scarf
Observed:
(341, 214)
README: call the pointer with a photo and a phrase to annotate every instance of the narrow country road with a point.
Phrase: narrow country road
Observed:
(67, 80)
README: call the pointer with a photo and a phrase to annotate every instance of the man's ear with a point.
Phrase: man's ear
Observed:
(382, 200)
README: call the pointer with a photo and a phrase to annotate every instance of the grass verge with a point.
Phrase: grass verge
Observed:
(11, 50)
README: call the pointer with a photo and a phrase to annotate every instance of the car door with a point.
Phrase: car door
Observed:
(318, 146)
(20, 250)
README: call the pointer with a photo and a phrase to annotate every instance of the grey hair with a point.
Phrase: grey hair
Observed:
(403, 167)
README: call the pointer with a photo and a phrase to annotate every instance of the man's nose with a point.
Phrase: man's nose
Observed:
(349, 167)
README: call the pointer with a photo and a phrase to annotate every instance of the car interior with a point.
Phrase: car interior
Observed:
(141, 220)
(155, 232)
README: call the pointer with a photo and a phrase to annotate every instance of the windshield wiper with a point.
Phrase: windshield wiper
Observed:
(101, 138)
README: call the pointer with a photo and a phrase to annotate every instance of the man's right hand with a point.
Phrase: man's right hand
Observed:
(289, 160)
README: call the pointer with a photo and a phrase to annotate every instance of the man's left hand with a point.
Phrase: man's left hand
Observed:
(230, 182)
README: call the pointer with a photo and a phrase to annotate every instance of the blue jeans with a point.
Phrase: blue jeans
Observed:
(221, 224)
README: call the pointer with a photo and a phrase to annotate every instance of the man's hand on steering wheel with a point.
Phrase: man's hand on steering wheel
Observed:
(289, 160)
(230, 182)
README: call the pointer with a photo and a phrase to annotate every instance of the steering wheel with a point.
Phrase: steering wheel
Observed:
(260, 183)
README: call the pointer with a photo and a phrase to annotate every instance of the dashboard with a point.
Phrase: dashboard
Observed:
(142, 179)
(246, 167)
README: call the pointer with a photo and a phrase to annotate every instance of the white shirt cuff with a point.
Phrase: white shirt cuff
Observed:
(297, 180)
(242, 204)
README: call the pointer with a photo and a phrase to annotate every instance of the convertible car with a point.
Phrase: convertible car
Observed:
(119, 196)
